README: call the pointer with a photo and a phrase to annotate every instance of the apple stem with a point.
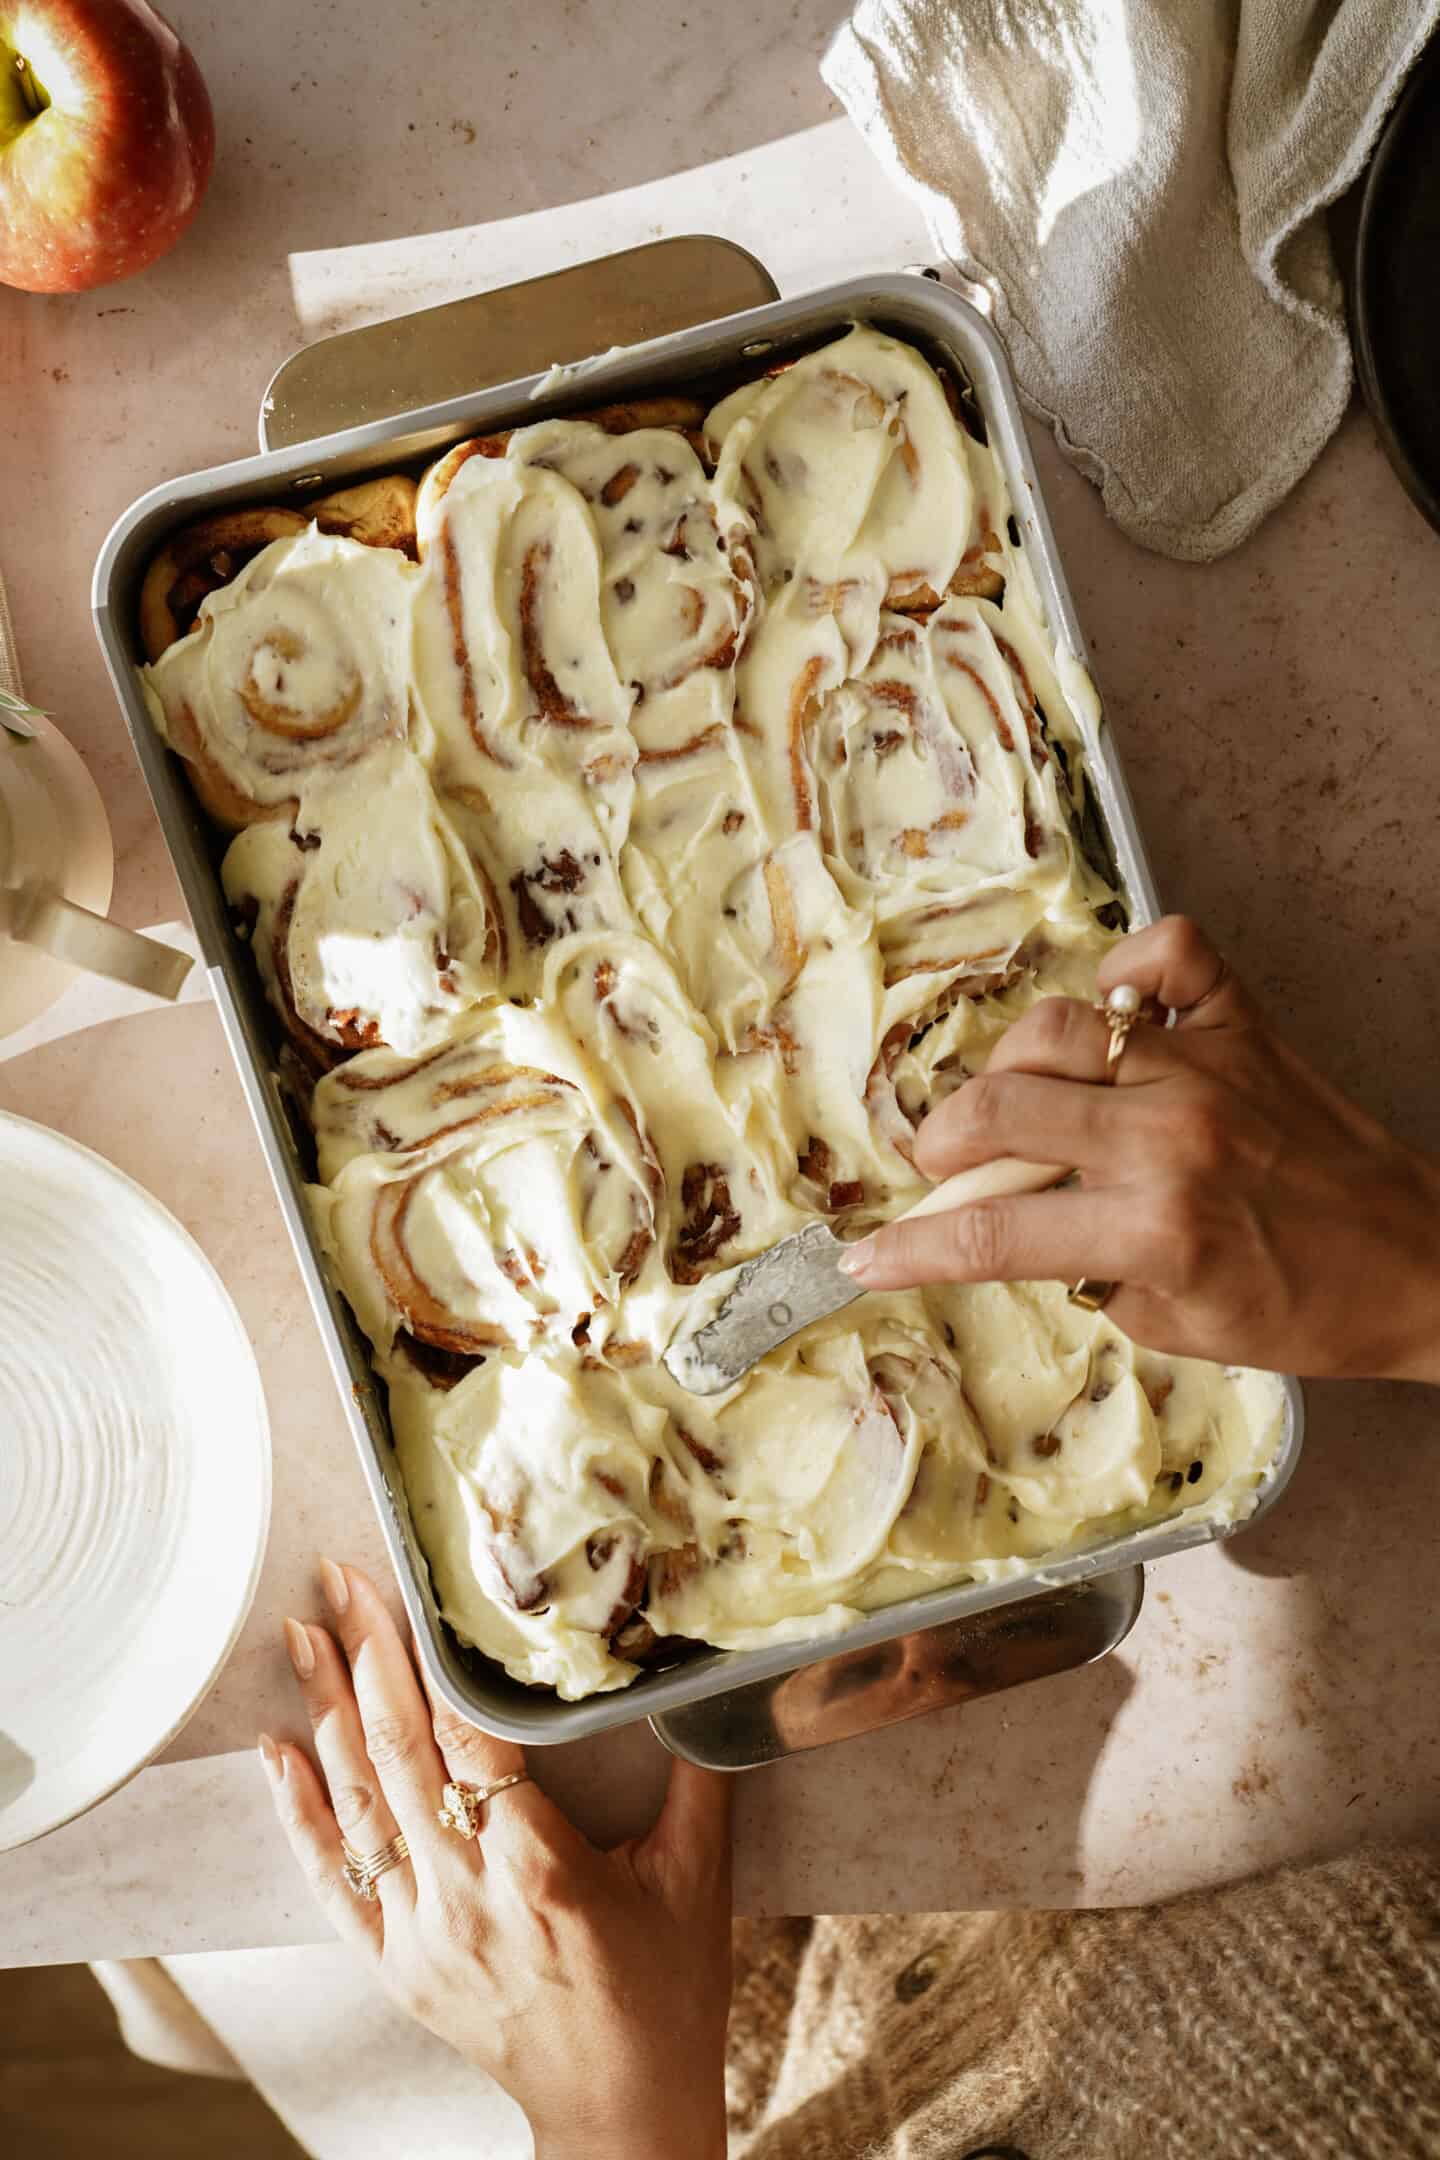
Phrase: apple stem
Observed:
(30, 91)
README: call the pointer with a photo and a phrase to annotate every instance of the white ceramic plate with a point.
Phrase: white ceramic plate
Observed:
(134, 1478)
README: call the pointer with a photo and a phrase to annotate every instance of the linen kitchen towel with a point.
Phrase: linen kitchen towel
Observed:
(1139, 187)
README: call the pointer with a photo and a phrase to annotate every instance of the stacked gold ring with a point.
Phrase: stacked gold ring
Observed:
(1121, 1011)
(362, 1871)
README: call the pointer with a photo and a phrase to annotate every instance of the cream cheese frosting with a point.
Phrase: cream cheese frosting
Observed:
(695, 815)
(296, 669)
(371, 924)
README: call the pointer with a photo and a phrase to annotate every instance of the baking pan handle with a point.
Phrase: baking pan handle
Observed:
(462, 346)
(865, 1690)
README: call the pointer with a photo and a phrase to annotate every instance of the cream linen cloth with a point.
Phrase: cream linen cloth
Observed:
(1138, 185)
(350, 2076)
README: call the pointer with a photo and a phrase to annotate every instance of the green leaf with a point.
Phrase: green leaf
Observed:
(16, 715)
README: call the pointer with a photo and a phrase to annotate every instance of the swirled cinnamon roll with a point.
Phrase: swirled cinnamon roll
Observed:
(674, 607)
(370, 923)
(534, 756)
(298, 667)
(940, 795)
(850, 457)
(719, 1197)
(482, 1196)
(548, 1497)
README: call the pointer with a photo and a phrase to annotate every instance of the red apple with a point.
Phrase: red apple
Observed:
(106, 141)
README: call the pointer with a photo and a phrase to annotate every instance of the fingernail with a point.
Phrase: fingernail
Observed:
(270, 1755)
(860, 1258)
(334, 1585)
(301, 1649)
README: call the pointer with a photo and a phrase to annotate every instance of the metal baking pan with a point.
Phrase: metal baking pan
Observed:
(728, 1707)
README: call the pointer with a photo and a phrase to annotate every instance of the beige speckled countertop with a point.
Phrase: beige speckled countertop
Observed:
(1275, 715)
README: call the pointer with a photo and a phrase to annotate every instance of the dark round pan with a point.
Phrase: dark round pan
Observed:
(1396, 296)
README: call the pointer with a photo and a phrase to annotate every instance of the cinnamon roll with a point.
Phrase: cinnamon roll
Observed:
(850, 456)
(370, 923)
(680, 415)
(512, 648)
(478, 1197)
(716, 1198)
(941, 797)
(552, 1497)
(675, 609)
(298, 667)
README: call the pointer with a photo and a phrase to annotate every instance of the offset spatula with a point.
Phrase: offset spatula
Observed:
(752, 1308)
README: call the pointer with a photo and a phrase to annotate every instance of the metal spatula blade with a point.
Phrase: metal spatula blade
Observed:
(765, 1301)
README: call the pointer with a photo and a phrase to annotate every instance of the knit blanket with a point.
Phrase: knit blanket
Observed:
(1294, 2017)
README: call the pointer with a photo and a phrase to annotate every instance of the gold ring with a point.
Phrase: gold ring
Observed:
(462, 1804)
(1121, 1011)
(1092, 1295)
(1183, 1012)
(363, 1870)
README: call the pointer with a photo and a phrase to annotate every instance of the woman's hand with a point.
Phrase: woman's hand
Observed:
(1247, 1210)
(594, 1986)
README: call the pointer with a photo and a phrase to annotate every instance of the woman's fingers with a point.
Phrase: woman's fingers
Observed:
(1173, 964)
(690, 1841)
(469, 1753)
(392, 1711)
(1038, 1237)
(1019, 1113)
(308, 1821)
(1176, 964)
(361, 1807)
(1057, 1040)
(1061, 1037)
